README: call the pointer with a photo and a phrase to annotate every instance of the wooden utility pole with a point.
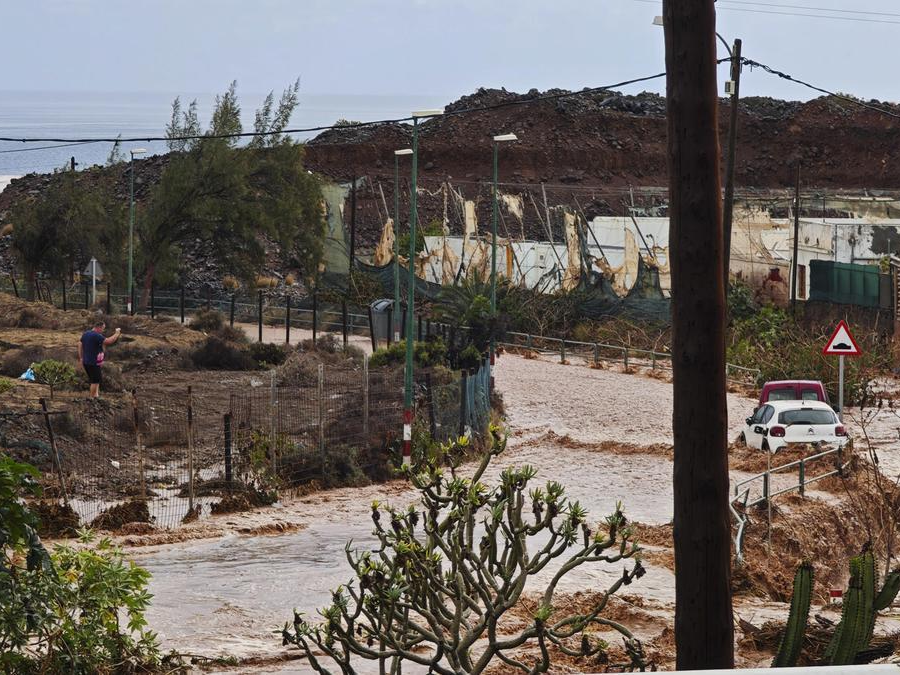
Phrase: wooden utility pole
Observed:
(704, 627)
(796, 241)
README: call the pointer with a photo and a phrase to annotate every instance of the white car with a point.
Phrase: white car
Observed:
(777, 424)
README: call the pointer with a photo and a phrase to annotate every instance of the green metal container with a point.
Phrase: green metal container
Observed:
(844, 283)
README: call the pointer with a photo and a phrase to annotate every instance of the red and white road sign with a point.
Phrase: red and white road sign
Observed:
(842, 342)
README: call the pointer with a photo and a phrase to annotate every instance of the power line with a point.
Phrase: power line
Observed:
(48, 147)
(356, 125)
(806, 8)
(809, 16)
(843, 97)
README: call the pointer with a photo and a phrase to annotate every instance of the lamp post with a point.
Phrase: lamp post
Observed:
(494, 210)
(734, 89)
(396, 312)
(411, 290)
(135, 151)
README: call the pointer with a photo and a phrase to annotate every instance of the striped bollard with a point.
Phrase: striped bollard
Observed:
(407, 437)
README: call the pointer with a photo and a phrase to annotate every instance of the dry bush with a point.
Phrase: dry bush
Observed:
(232, 334)
(217, 354)
(230, 283)
(207, 321)
(263, 282)
(290, 280)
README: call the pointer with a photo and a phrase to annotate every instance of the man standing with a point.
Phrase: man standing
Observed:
(90, 353)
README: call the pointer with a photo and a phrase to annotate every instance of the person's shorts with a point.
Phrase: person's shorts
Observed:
(94, 373)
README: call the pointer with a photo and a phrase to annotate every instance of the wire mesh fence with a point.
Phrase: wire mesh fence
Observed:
(175, 457)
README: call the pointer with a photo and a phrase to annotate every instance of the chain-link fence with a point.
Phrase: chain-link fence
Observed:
(186, 453)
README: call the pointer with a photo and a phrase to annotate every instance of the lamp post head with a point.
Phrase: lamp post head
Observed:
(427, 113)
(138, 151)
(505, 137)
(404, 151)
(657, 21)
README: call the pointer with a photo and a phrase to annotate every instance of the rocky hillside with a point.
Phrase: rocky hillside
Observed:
(587, 149)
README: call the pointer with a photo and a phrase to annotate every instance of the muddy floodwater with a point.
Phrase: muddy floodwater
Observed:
(231, 595)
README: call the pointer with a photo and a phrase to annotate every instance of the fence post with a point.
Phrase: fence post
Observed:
(132, 301)
(12, 277)
(420, 328)
(315, 326)
(390, 335)
(840, 463)
(181, 303)
(372, 330)
(429, 401)
(653, 362)
(273, 422)
(321, 397)
(231, 312)
(802, 478)
(138, 441)
(366, 399)
(344, 320)
(562, 351)
(528, 341)
(259, 314)
(62, 479)
(65, 303)
(109, 298)
(463, 401)
(153, 299)
(287, 320)
(625, 357)
(190, 440)
(228, 468)
(596, 354)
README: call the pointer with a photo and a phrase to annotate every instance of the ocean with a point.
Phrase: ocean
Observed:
(38, 114)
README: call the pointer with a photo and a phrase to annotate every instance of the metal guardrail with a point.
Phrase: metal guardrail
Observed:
(598, 351)
(742, 489)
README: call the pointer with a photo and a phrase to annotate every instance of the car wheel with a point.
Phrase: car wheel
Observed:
(765, 446)
(742, 440)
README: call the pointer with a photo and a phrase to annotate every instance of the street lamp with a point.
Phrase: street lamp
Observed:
(396, 313)
(411, 290)
(502, 138)
(135, 151)
(733, 87)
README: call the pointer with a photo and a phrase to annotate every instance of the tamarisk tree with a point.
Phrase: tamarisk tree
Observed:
(437, 588)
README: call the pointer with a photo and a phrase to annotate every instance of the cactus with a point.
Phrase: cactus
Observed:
(792, 641)
(888, 591)
(861, 606)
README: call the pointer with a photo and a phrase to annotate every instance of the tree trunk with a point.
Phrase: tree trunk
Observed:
(148, 283)
(30, 281)
(704, 629)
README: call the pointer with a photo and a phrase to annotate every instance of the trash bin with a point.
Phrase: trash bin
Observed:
(380, 319)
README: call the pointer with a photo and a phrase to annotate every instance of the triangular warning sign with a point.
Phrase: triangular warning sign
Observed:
(842, 342)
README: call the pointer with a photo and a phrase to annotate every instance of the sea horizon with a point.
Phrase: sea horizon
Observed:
(47, 115)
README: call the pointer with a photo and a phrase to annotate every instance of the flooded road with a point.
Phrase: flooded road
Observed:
(230, 596)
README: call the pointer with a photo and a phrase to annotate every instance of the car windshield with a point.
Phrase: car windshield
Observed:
(806, 416)
(783, 394)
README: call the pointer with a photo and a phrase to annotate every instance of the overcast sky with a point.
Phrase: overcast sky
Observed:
(436, 47)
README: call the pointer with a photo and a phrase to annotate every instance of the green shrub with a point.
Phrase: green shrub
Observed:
(426, 354)
(55, 374)
(6, 385)
(268, 354)
(216, 354)
(62, 612)
(207, 321)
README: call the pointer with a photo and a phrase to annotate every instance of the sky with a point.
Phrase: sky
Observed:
(441, 48)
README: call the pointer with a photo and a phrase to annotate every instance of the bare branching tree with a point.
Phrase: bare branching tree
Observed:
(437, 588)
